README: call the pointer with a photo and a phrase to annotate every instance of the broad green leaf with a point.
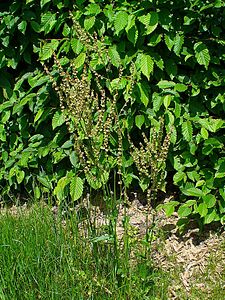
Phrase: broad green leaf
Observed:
(80, 60)
(167, 100)
(131, 29)
(143, 93)
(120, 21)
(76, 188)
(178, 43)
(209, 200)
(164, 84)
(184, 211)
(192, 192)
(204, 133)
(114, 56)
(202, 209)
(48, 49)
(73, 159)
(22, 26)
(147, 65)
(150, 21)
(180, 87)
(76, 45)
(202, 54)
(170, 207)
(59, 189)
(210, 217)
(169, 40)
(48, 21)
(89, 23)
(93, 9)
(20, 176)
(58, 119)
(187, 130)
(179, 176)
(139, 121)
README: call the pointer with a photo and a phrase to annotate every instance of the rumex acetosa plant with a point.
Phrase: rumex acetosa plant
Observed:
(90, 112)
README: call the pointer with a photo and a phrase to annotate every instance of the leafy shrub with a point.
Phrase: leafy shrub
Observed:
(172, 59)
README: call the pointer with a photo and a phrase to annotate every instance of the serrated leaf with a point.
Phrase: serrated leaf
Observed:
(178, 43)
(48, 49)
(58, 119)
(59, 189)
(76, 188)
(150, 21)
(146, 65)
(93, 9)
(114, 56)
(48, 21)
(89, 23)
(169, 40)
(170, 207)
(202, 54)
(139, 121)
(187, 130)
(76, 46)
(210, 217)
(120, 21)
(79, 61)
(184, 211)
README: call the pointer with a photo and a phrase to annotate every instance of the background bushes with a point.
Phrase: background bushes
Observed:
(171, 54)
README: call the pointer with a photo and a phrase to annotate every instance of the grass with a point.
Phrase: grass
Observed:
(42, 257)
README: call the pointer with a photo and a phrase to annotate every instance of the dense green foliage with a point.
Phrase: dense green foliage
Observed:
(158, 58)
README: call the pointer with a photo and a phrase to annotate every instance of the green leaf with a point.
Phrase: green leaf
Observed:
(150, 21)
(59, 189)
(187, 130)
(169, 40)
(202, 209)
(180, 87)
(220, 173)
(184, 211)
(209, 218)
(80, 60)
(22, 26)
(179, 176)
(114, 56)
(192, 192)
(146, 65)
(178, 43)
(204, 133)
(45, 181)
(167, 100)
(93, 9)
(48, 49)
(76, 45)
(143, 92)
(89, 23)
(202, 54)
(58, 119)
(120, 21)
(209, 200)
(170, 207)
(131, 29)
(164, 84)
(20, 176)
(76, 188)
(43, 2)
(48, 21)
(139, 121)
